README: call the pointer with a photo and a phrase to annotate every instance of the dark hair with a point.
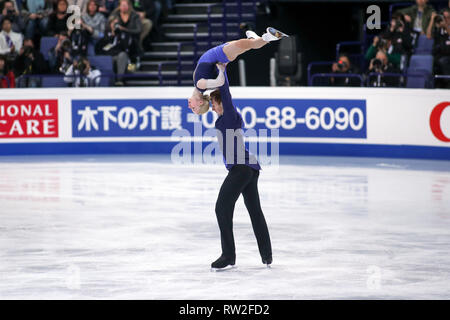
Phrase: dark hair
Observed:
(83, 58)
(6, 19)
(398, 15)
(97, 5)
(343, 54)
(55, 4)
(215, 95)
(6, 67)
(386, 35)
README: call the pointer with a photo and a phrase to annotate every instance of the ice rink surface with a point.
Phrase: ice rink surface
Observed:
(141, 227)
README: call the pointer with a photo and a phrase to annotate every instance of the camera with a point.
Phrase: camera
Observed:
(81, 66)
(10, 12)
(398, 24)
(377, 65)
(117, 27)
(27, 50)
(341, 65)
(438, 19)
(66, 45)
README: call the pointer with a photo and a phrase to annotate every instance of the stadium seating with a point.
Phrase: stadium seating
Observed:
(53, 81)
(46, 44)
(424, 45)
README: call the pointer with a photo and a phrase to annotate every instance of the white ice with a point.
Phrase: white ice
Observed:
(141, 227)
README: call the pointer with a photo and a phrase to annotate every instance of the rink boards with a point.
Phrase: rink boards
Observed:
(401, 123)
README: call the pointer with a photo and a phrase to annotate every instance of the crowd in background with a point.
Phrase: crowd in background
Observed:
(391, 49)
(124, 29)
(120, 28)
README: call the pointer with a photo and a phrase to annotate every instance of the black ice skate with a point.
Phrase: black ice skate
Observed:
(223, 263)
(267, 262)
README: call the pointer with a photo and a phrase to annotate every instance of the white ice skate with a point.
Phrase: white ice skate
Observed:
(251, 34)
(273, 34)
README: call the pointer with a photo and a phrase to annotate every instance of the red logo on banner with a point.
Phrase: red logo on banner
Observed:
(28, 118)
(435, 121)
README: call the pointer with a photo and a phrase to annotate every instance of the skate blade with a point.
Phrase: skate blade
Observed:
(223, 269)
(276, 33)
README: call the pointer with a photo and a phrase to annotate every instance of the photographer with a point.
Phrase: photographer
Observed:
(384, 43)
(126, 23)
(122, 40)
(81, 74)
(441, 50)
(437, 22)
(343, 66)
(380, 64)
(37, 17)
(60, 57)
(10, 12)
(30, 61)
(400, 34)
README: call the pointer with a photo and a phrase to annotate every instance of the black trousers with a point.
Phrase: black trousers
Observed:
(241, 179)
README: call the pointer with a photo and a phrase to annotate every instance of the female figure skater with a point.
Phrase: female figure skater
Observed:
(206, 71)
(242, 178)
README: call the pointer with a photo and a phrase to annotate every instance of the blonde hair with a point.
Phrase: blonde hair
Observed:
(204, 107)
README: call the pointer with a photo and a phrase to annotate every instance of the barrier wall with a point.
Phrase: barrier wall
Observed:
(310, 121)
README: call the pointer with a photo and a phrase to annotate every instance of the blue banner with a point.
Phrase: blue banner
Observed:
(160, 117)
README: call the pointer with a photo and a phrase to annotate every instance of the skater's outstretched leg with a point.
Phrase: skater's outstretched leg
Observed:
(235, 48)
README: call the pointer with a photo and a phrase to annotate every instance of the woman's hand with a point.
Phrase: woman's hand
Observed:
(221, 66)
(375, 41)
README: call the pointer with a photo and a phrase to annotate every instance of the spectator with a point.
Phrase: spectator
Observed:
(418, 15)
(384, 43)
(128, 21)
(60, 57)
(57, 21)
(37, 17)
(380, 65)
(144, 8)
(30, 61)
(441, 50)
(10, 41)
(342, 66)
(400, 33)
(436, 19)
(81, 74)
(122, 41)
(94, 22)
(12, 13)
(7, 79)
